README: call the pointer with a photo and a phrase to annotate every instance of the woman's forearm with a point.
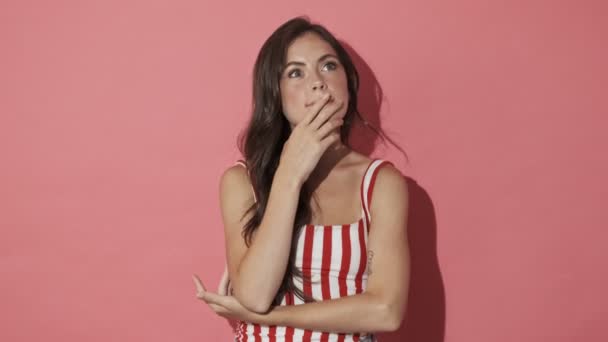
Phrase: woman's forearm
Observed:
(357, 313)
(262, 268)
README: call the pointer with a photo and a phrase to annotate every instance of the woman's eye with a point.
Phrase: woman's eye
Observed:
(332, 65)
(294, 73)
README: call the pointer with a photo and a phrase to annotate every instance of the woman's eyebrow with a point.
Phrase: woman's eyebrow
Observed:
(326, 56)
(322, 58)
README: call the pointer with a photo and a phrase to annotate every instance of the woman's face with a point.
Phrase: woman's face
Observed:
(312, 69)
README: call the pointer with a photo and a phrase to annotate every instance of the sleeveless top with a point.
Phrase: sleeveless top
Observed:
(335, 256)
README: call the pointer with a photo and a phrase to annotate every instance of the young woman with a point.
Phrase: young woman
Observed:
(316, 240)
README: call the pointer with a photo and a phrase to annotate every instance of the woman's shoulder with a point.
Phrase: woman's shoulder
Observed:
(235, 172)
(390, 183)
(383, 170)
(235, 180)
(359, 162)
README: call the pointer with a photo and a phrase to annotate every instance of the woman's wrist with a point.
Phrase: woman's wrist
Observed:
(287, 179)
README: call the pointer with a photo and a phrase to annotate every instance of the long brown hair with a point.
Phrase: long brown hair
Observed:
(262, 141)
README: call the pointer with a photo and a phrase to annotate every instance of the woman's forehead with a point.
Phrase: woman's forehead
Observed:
(308, 48)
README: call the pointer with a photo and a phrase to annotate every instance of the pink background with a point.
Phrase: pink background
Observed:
(118, 117)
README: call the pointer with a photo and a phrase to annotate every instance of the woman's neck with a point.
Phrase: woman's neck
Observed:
(328, 161)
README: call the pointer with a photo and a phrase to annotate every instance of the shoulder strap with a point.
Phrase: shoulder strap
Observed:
(244, 164)
(367, 185)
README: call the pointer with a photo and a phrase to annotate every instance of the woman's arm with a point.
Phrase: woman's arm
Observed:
(357, 313)
(256, 272)
(382, 306)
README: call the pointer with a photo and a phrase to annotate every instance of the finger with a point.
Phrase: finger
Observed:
(326, 113)
(217, 308)
(328, 127)
(222, 287)
(316, 108)
(214, 298)
(330, 139)
(198, 283)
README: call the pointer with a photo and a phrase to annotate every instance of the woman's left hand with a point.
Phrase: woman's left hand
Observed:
(225, 306)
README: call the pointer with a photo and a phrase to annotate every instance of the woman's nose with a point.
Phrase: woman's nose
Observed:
(319, 85)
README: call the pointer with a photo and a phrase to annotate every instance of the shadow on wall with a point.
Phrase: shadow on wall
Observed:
(425, 317)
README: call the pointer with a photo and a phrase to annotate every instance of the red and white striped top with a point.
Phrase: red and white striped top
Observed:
(335, 256)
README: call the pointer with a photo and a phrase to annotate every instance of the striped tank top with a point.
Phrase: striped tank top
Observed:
(335, 257)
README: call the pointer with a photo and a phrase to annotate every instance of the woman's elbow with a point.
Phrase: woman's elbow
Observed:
(257, 307)
(392, 318)
(394, 323)
(253, 303)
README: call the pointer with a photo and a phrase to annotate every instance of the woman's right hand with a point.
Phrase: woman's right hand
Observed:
(311, 137)
(224, 288)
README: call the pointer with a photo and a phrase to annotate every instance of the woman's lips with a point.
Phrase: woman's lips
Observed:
(331, 99)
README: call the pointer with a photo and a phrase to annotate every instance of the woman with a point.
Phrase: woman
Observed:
(304, 261)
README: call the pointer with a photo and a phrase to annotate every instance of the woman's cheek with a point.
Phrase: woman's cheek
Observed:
(293, 111)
